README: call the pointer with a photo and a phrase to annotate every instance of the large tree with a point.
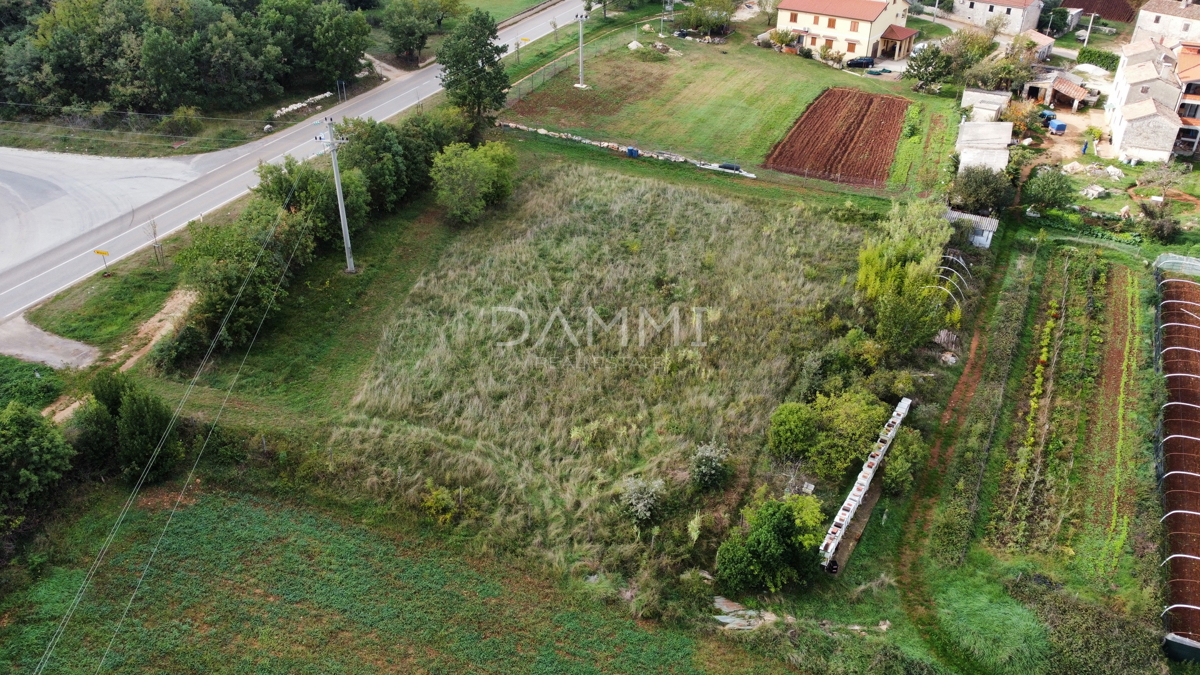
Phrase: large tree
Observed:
(408, 29)
(33, 455)
(339, 40)
(474, 75)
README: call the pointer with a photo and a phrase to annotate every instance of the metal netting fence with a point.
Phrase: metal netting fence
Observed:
(598, 47)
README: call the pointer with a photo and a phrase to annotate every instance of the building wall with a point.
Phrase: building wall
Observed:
(863, 35)
(1171, 29)
(1019, 20)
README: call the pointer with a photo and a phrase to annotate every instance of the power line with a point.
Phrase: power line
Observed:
(60, 630)
(192, 472)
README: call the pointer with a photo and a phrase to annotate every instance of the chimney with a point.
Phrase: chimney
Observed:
(1184, 4)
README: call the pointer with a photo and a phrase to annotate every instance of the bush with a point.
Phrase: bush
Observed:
(109, 387)
(1099, 57)
(185, 121)
(1048, 187)
(848, 423)
(778, 548)
(33, 384)
(468, 179)
(181, 347)
(94, 435)
(708, 466)
(912, 120)
(641, 498)
(33, 455)
(448, 506)
(793, 428)
(805, 52)
(143, 426)
(906, 454)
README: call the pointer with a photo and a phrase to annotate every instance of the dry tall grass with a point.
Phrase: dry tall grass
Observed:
(548, 433)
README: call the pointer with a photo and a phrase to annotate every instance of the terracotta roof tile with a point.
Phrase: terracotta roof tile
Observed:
(1069, 88)
(895, 32)
(862, 10)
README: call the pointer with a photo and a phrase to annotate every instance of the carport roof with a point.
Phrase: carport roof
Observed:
(895, 32)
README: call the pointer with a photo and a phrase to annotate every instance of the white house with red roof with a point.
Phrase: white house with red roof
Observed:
(853, 27)
(1019, 15)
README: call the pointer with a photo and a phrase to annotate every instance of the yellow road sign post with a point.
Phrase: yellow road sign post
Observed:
(104, 256)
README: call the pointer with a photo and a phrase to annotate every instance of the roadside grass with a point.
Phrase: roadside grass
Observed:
(117, 135)
(618, 29)
(33, 384)
(1098, 40)
(245, 583)
(930, 30)
(106, 312)
(718, 103)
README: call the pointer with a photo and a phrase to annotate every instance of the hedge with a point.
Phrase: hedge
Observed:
(1098, 57)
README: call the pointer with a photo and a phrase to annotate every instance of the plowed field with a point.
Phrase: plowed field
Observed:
(846, 135)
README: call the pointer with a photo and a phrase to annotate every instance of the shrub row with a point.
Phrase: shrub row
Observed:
(1098, 57)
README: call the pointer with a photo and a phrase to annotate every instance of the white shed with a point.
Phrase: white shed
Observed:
(982, 227)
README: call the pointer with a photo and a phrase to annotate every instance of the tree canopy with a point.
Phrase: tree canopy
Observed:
(474, 76)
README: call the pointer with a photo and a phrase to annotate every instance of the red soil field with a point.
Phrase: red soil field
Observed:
(1180, 321)
(846, 135)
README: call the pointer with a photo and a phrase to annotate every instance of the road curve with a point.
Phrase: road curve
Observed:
(30, 282)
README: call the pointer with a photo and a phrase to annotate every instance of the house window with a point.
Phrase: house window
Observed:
(854, 27)
(829, 43)
(970, 5)
(1157, 18)
(814, 42)
(1186, 26)
(1008, 10)
(1145, 89)
(991, 8)
(849, 47)
(795, 17)
(832, 22)
(816, 20)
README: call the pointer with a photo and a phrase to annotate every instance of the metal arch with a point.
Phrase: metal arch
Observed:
(960, 291)
(1182, 302)
(1190, 438)
(1186, 281)
(1167, 349)
(1190, 405)
(1185, 473)
(943, 288)
(1183, 606)
(1185, 325)
(960, 277)
(1180, 309)
(1178, 555)
(1181, 375)
(960, 261)
(1183, 511)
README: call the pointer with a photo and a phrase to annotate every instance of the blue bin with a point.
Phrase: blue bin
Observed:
(633, 152)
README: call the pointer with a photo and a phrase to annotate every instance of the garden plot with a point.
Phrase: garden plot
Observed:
(846, 135)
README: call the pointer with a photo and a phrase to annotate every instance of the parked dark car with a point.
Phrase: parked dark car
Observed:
(861, 62)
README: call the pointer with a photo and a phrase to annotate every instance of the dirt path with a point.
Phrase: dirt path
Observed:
(155, 328)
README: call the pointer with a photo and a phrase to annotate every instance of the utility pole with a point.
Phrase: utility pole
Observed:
(332, 142)
(580, 18)
(1089, 33)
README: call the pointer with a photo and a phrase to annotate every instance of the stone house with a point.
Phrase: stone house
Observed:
(1020, 15)
(853, 27)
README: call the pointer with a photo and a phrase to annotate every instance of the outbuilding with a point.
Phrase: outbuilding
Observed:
(983, 228)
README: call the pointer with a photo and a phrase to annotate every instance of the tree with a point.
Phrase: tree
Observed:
(794, 427)
(930, 65)
(95, 436)
(473, 74)
(310, 189)
(407, 28)
(33, 455)
(1048, 187)
(374, 148)
(424, 135)
(978, 188)
(1023, 114)
(709, 16)
(1157, 223)
(142, 428)
(440, 10)
(849, 421)
(339, 40)
(467, 179)
(907, 452)
(778, 547)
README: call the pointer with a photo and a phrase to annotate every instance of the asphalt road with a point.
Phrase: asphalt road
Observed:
(53, 270)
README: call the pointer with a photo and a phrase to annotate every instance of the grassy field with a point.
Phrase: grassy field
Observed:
(244, 584)
(728, 103)
(930, 30)
(1098, 40)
